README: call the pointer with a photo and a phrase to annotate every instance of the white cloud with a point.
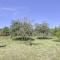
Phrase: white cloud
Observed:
(14, 11)
(14, 8)
(8, 9)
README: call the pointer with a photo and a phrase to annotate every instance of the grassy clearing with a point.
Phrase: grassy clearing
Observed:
(40, 50)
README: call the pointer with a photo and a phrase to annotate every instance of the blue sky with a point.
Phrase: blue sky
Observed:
(36, 10)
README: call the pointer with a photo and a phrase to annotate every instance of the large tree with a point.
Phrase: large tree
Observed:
(27, 27)
(42, 29)
(19, 28)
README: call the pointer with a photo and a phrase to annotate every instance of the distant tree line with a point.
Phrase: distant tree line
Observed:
(25, 29)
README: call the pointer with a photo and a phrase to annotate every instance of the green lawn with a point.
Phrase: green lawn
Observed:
(40, 50)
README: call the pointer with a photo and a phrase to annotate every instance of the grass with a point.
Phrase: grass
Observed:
(47, 49)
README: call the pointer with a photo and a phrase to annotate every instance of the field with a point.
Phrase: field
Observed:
(42, 49)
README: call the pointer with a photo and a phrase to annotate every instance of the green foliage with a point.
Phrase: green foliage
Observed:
(56, 31)
(26, 29)
(21, 29)
(5, 31)
(15, 26)
(42, 30)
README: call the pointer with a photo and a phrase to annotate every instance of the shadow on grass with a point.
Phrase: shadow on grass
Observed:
(23, 38)
(35, 43)
(27, 43)
(58, 40)
(44, 38)
(2, 45)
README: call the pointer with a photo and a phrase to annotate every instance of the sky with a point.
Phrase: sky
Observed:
(35, 10)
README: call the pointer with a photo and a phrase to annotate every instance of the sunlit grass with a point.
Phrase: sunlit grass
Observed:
(47, 49)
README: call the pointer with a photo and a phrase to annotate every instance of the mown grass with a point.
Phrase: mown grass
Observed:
(46, 49)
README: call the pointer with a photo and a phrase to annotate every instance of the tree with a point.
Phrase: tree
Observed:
(5, 31)
(56, 31)
(0, 31)
(14, 28)
(42, 29)
(21, 29)
(27, 27)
